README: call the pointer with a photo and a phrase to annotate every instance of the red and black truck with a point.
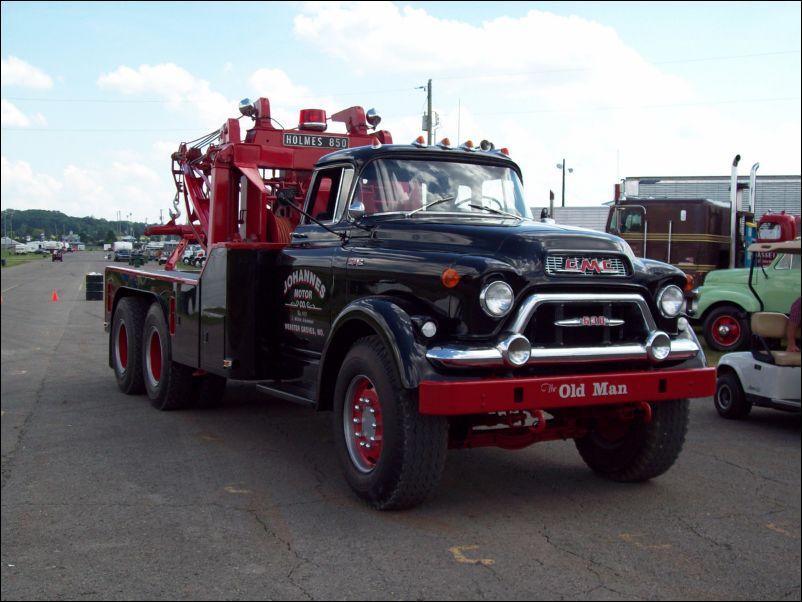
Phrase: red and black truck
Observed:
(405, 289)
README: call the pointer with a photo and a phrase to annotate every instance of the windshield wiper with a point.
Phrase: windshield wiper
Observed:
(496, 211)
(432, 204)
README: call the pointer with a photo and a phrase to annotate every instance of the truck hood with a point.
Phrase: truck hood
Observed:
(521, 246)
(492, 235)
(733, 276)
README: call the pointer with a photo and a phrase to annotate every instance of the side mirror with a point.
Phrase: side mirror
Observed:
(356, 210)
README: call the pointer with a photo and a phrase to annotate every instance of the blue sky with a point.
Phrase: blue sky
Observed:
(96, 95)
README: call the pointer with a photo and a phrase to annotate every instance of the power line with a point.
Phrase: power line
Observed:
(655, 106)
(500, 75)
(87, 100)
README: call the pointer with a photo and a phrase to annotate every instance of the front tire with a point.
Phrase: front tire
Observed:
(169, 385)
(393, 457)
(641, 451)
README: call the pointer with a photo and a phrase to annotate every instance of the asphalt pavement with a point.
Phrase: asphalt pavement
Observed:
(105, 498)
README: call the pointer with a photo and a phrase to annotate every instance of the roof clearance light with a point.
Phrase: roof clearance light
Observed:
(468, 145)
(450, 278)
(313, 119)
(505, 151)
(445, 143)
(420, 141)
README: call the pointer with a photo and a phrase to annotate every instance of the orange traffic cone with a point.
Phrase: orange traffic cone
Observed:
(55, 296)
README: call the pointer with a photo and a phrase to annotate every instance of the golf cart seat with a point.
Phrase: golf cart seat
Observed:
(771, 325)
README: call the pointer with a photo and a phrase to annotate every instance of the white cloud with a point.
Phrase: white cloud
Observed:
(11, 116)
(286, 97)
(79, 191)
(163, 149)
(16, 72)
(24, 189)
(177, 86)
(549, 87)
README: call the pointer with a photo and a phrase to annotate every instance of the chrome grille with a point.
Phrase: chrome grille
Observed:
(585, 265)
(586, 324)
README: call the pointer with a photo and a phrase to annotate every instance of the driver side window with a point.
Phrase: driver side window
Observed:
(326, 199)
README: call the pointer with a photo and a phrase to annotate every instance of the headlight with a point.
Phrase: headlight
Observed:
(670, 301)
(496, 299)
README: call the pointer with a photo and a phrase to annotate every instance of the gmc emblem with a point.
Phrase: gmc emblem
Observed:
(572, 264)
(589, 321)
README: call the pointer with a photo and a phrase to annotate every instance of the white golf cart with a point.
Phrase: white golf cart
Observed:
(765, 375)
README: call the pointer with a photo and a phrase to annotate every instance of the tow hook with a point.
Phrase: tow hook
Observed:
(541, 421)
(647, 411)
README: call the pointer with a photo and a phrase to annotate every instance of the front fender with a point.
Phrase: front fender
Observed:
(739, 296)
(383, 316)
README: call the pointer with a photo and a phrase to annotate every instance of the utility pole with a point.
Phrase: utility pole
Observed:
(561, 166)
(429, 112)
(428, 121)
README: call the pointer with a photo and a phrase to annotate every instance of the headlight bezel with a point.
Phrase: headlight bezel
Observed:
(679, 301)
(489, 298)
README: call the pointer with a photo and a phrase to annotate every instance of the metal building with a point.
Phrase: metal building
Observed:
(775, 193)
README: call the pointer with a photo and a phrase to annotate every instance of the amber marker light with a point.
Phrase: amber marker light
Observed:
(450, 278)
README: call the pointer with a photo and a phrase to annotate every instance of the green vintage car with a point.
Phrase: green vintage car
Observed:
(727, 300)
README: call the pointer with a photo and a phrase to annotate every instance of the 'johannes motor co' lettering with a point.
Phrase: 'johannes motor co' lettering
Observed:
(307, 277)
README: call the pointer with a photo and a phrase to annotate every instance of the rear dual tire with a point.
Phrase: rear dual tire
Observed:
(168, 384)
(126, 344)
(141, 353)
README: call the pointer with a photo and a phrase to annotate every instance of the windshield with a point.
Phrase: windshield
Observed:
(769, 231)
(439, 187)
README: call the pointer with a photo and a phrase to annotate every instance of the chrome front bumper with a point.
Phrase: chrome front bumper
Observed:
(684, 346)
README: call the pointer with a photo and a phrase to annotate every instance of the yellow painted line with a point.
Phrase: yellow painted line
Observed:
(231, 489)
(781, 531)
(457, 552)
(634, 537)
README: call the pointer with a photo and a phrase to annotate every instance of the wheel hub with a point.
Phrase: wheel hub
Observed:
(726, 331)
(363, 427)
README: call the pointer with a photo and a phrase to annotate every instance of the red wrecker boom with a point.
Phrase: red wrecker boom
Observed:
(231, 171)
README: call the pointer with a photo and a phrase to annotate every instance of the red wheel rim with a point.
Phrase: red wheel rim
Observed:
(122, 346)
(726, 331)
(154, 358)
(363, 426)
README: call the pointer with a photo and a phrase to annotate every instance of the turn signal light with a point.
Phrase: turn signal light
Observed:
(450, 278)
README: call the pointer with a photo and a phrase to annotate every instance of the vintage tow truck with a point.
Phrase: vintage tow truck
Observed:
(405, 289)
